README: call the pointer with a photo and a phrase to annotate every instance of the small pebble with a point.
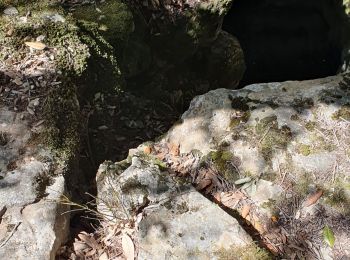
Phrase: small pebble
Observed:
(55, 18)
(11, 11)
(36, 102)
(40, 38)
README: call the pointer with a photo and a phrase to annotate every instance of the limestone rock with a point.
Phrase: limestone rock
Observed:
(290, 138)
(178, 222)
(32, 226)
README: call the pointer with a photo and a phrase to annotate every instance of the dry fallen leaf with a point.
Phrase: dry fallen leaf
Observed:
(245, 210)
(79, 246)
(36, 45)
(161, 156)
(274, 218)
(104, 256)
(17, 81)
(128, 247)
(147, 150)
(217, 196)
(312, 199)
(231, 199)
(88, 239)
(203, 184)
(174, 149)
(10, 32)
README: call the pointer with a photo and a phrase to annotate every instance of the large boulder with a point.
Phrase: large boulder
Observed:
(287, 142)
(223, 62)
(32, 221)
(177, 30)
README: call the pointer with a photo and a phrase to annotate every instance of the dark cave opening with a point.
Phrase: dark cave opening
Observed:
(287, 40)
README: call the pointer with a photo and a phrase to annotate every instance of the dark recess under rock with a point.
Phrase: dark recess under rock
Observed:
(288, 40)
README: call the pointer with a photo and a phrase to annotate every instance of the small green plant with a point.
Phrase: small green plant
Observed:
(328, 236)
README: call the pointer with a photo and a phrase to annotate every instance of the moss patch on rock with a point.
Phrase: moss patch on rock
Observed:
(248, 252)
(272, 136)
(63, 120)
(223, 161)
(304, 149)
(113, 19)
(71, 55)
(342, 113)
(337, 195)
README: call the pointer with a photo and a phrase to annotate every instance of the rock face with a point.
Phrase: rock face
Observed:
(178, 222)
(189, 25)
(294, 134)
(38, 136)
(186, 39)
(31, 222)
(223, 61)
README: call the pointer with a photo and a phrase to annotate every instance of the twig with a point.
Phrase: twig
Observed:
(336, 137)
(265, 134)
(347, 121)
(284, 176)
(93, 162)
(10, 235)
(334, 171)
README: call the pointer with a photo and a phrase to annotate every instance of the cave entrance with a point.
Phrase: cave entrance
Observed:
(287, 40)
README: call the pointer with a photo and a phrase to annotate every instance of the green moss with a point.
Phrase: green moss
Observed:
(310, 126)
(302, 186)
(321, 145)
(336, 197)
(270, 204)
(337, 194)
(223, 162)
(115, 24)
(299, 104)
(342, 113)
(243, 118)
(71, 55)
(248, 252)
(151, 159)
(61, 113)
(294, 117)
(304, 149)
(113, 20)
(272, 136)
